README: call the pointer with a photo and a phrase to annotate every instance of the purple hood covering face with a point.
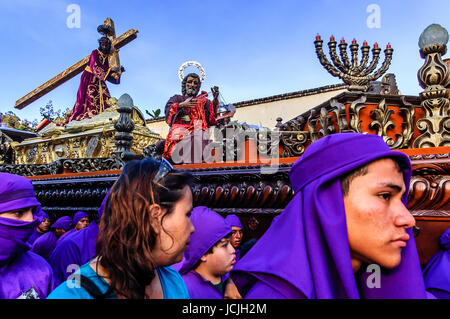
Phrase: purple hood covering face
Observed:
(16, 192)
(233, 220)
(315, 261)
(437, 271)
(210, 227)
(13, 238)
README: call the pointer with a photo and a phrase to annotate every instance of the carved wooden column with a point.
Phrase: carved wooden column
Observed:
(124, 125)
(434, 76)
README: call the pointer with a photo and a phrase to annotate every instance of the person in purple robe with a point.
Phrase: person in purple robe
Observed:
(45, 244)
(93, 94)
(236, 233)
(437, 271)
(23, 274)
(345, 234)
(80, 221)
(76, 249)
(210, 255)
(42, 228)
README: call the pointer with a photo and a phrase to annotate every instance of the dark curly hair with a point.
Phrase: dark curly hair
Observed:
(183, 83)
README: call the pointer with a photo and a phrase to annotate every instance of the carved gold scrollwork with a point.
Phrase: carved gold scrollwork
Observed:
(382, 123)
(434, 77)
(355, 110)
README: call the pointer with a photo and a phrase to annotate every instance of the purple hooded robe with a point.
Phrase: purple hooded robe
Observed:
(437, 271)
(45, 244)
(210, 227)
(314, 260)
(76, 249)
(41, 215)
(76, 218)
(234, 221)
(23, 274)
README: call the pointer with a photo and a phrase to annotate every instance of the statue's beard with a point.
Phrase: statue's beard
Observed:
(191, 92)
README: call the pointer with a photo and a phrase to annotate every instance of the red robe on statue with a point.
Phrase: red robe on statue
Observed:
(93, 94)
(191, 129)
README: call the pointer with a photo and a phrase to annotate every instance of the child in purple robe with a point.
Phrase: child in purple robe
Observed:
(23, 274)
(144, 229)
(210, 255)
(347, 231)
(42, 228)
(45, 244)
(80, 221)
(437, 271)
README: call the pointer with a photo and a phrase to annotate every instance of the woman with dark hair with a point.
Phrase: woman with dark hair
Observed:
(144, 229)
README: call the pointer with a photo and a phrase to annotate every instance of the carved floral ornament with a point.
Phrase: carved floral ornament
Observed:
(331, 118)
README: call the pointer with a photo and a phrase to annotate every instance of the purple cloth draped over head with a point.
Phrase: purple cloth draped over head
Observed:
(78, 216)
(314, 261)
(64, 222)
(21, 271)
(437, 271)
(233, 220)
(39, 213)
(46, 243)
(77, 248)
(16, 192)
(210, 227)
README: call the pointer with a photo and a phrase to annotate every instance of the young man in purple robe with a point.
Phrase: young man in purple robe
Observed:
(23, 274)
(42, 228)
(210, 255)
(80, 221)
(93, 94)
(437, 271)
(347, 231)
(45, 244)
(236, 233)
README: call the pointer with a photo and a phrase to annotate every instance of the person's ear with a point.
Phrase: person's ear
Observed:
(156, 213)
(204, 258)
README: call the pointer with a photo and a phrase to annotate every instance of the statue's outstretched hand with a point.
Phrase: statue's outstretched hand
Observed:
(215, 92)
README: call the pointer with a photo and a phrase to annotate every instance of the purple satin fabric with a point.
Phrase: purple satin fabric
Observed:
(76, 218)
(27, 271)
(21, 269)
(77, 248)
(210, 227)
(13, 238)
(200, 288)
(16, 192)
(437, 271)
(305, 252)
(45, 244)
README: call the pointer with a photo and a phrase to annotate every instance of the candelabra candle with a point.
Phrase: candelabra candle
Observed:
(354, 73)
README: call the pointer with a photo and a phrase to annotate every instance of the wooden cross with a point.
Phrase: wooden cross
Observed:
(77, 68)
